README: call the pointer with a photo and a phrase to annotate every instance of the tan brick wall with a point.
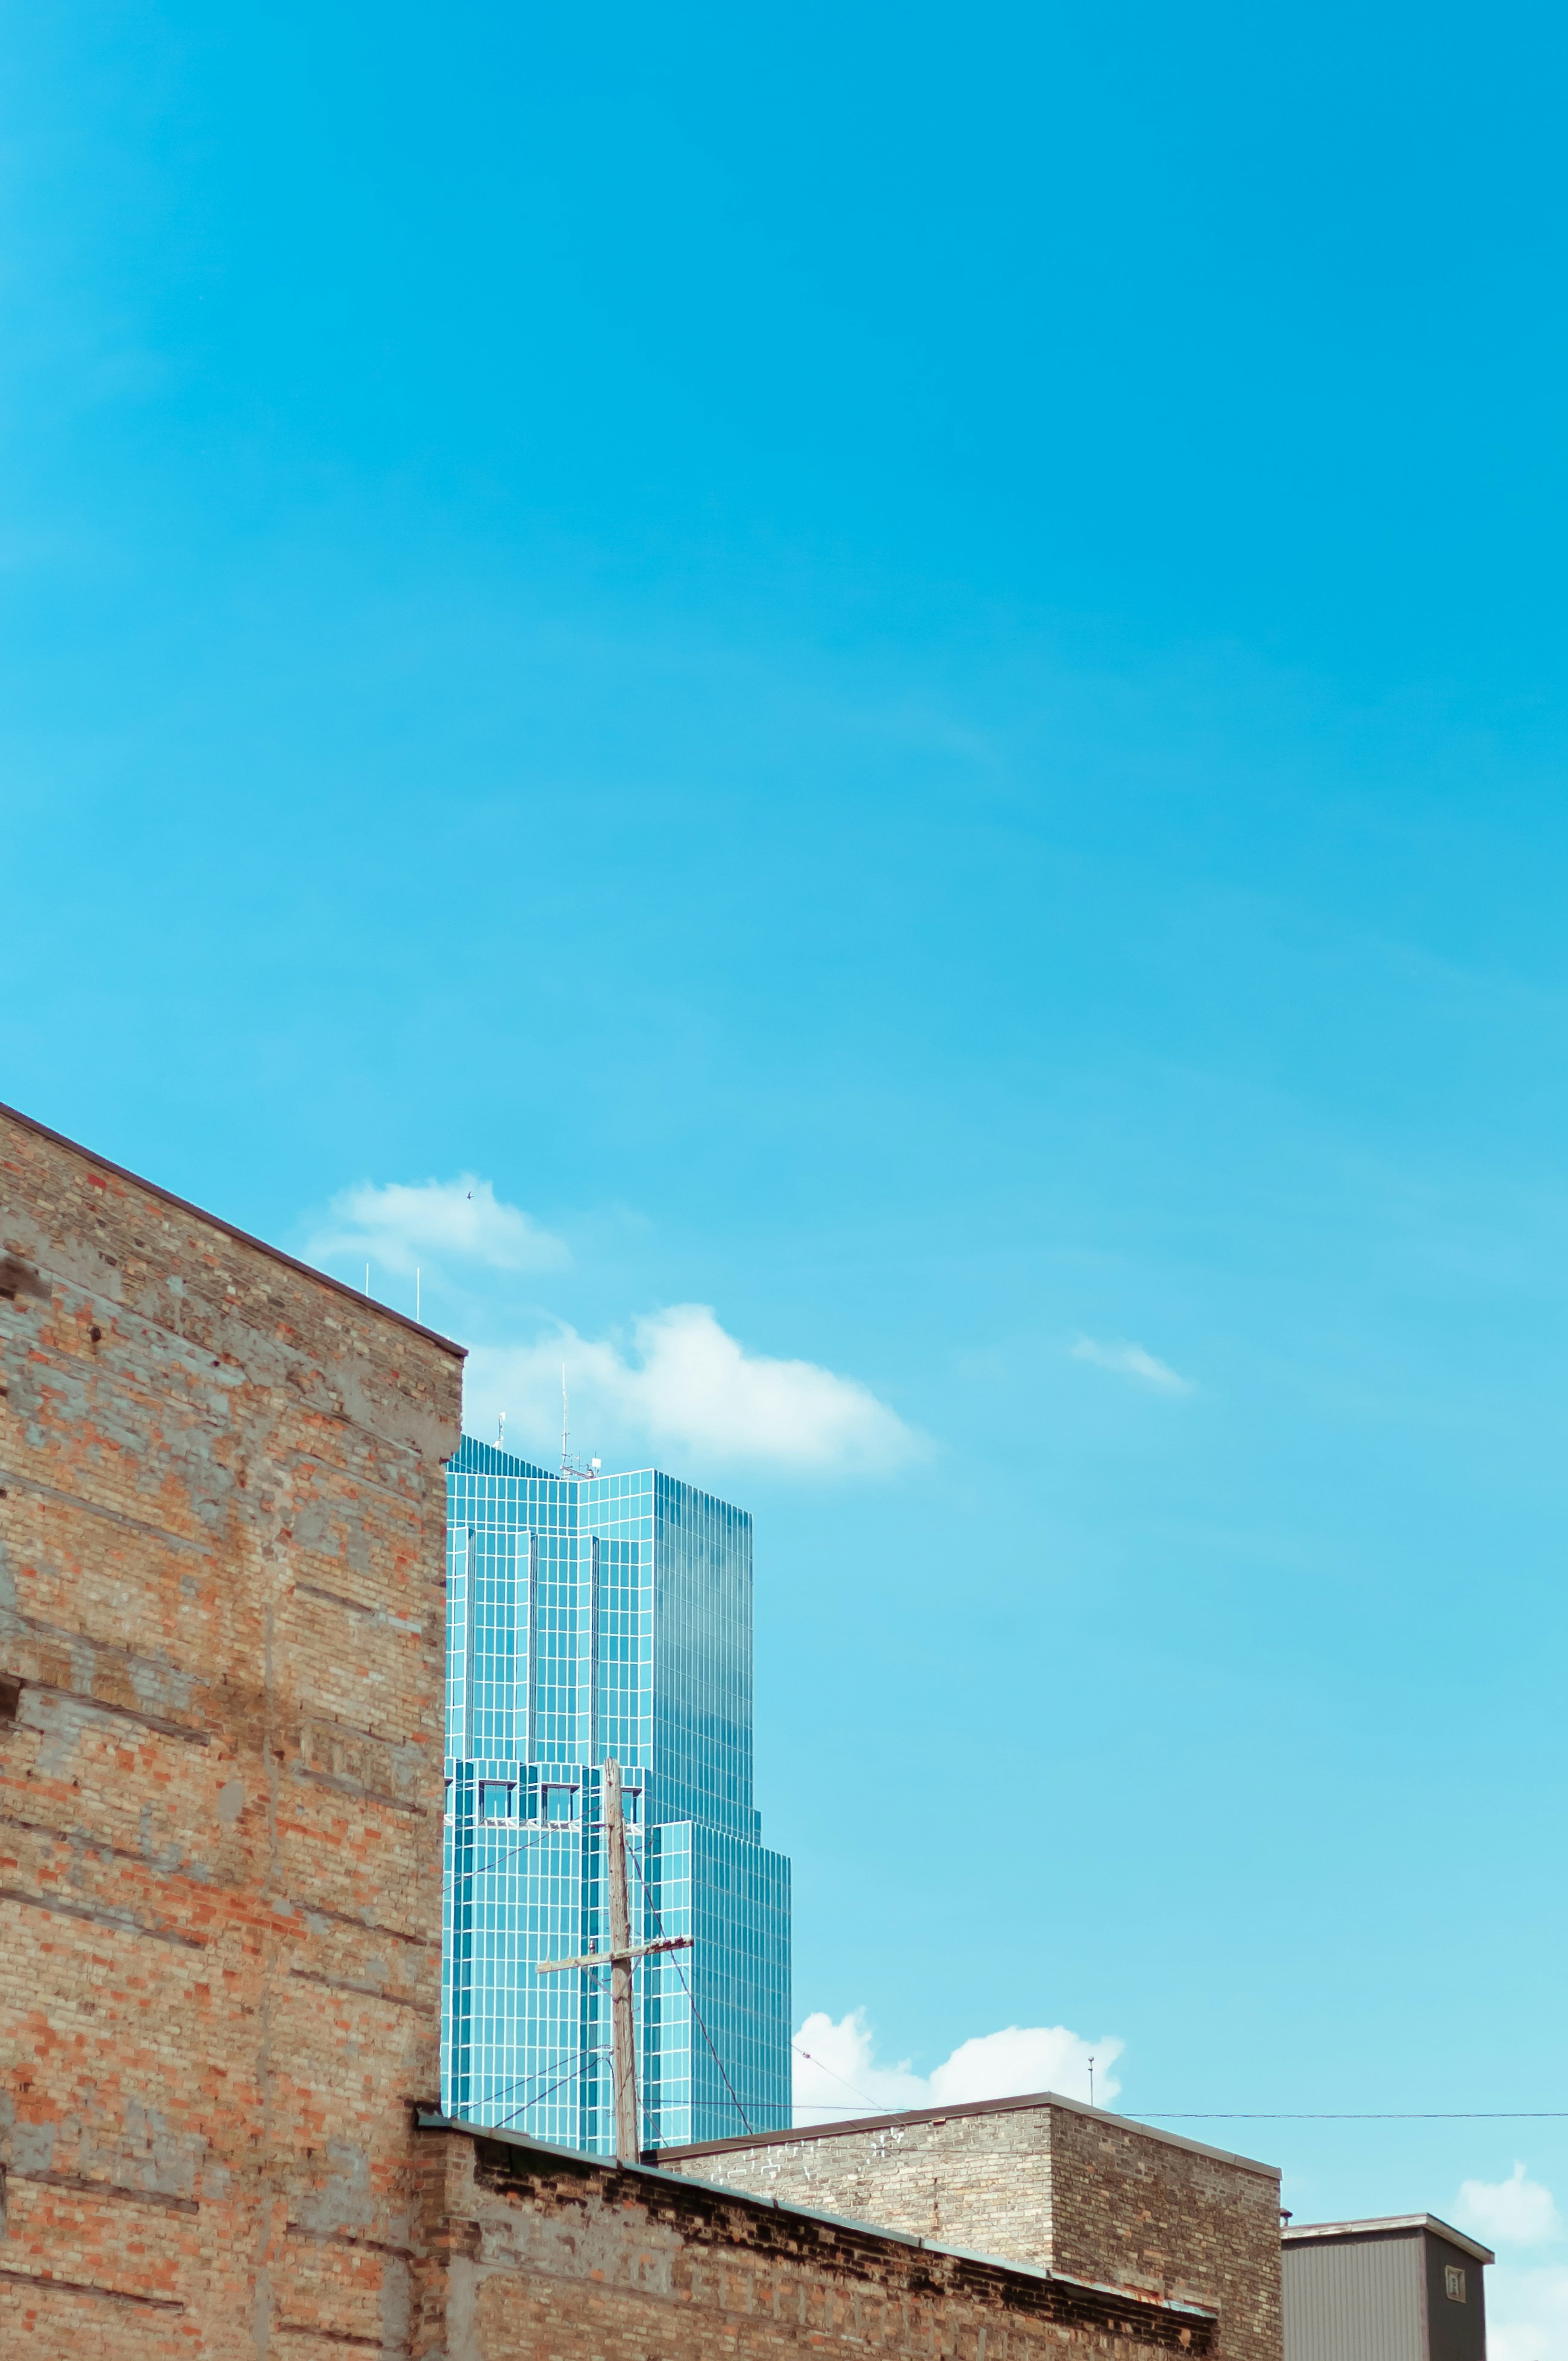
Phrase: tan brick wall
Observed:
(587, 2263)
(221, 1511)
(1174, 2218)
(1070, 2187)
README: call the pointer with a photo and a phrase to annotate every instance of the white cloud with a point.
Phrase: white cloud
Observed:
(836, 2072)
(1527, 2308)
(1526, 2314)
(1518, 2211)
(1132, 1361)
(397, 1226)
(688, 1386)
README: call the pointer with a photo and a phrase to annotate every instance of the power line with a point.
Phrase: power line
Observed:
(1275, 2115)
(539, 2098)
(548, 2067)
(823, 2068)
(1385, 2115)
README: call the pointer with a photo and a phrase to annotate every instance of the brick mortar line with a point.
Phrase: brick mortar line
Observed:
(80, 1841)
(114, 1516)
(283, 2327)
(160, 1665)
(156, 1723)
(119, 1922)
(286, 1908)
(360, 1926)
(364, 1992)
(340, 1728)
(352, 1789)
(358, 1607)
(349, 2238)
(101, 2189)
(297, 1459)
(86, 2287)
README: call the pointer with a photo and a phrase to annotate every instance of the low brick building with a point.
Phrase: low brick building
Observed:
(1047, 2181)
(222, 1568)
(548, 2254)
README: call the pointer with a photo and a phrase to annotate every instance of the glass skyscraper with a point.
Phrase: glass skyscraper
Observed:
(589, 1618)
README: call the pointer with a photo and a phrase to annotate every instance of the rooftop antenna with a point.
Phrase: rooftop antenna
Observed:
(565, 1463)
(501, 1432)
(1091, 2081)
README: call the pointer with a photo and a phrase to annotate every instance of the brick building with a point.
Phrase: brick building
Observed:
(548, 2254)
(221, 1655)
(221, 1620)
(1046, 2181)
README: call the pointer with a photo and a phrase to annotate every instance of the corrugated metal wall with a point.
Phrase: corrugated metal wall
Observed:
(1359, 2302)
(1455, 2332)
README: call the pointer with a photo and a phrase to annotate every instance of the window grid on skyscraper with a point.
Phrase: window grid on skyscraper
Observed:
(590, 1617)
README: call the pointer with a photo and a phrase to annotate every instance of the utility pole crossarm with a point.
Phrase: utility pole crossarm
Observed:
(607, 1958)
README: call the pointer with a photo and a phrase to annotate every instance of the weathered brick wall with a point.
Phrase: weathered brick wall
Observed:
(221, 1651)
(588, 2263)
(981, 2181)
(1045, 2182)
(1168, 2215)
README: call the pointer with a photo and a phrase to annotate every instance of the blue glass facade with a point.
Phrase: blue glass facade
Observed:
(591, 1618)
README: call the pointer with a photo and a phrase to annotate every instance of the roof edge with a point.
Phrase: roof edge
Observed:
(587, 1483)
(231, 1229)
(1383, 2225)
(430, 2120)
(853, 2124)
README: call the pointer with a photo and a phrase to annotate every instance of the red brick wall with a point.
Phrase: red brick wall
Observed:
(221, 1511)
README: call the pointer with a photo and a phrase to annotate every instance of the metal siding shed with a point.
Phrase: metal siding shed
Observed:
(1376, 2291)
(1457, 2329)
(1359, 2301)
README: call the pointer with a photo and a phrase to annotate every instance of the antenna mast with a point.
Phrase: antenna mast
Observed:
(565, 1463)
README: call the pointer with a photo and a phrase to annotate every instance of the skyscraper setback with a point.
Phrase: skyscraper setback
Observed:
(592, 1617)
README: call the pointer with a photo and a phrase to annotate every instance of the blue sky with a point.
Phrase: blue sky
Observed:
(902, 670)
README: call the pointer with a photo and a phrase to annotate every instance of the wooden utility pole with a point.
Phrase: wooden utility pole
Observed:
(623, 2032)
(618, 1958)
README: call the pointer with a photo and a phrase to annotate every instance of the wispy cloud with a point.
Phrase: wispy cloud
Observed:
(685, 1384)
(836, 2072)
(1518, 2211)
(1133, 1361)
(397, 1224)
(678, 1382)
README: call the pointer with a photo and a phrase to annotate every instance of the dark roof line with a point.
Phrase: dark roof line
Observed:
(1384, 2225)
(853, 2124)
(232, 1230)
